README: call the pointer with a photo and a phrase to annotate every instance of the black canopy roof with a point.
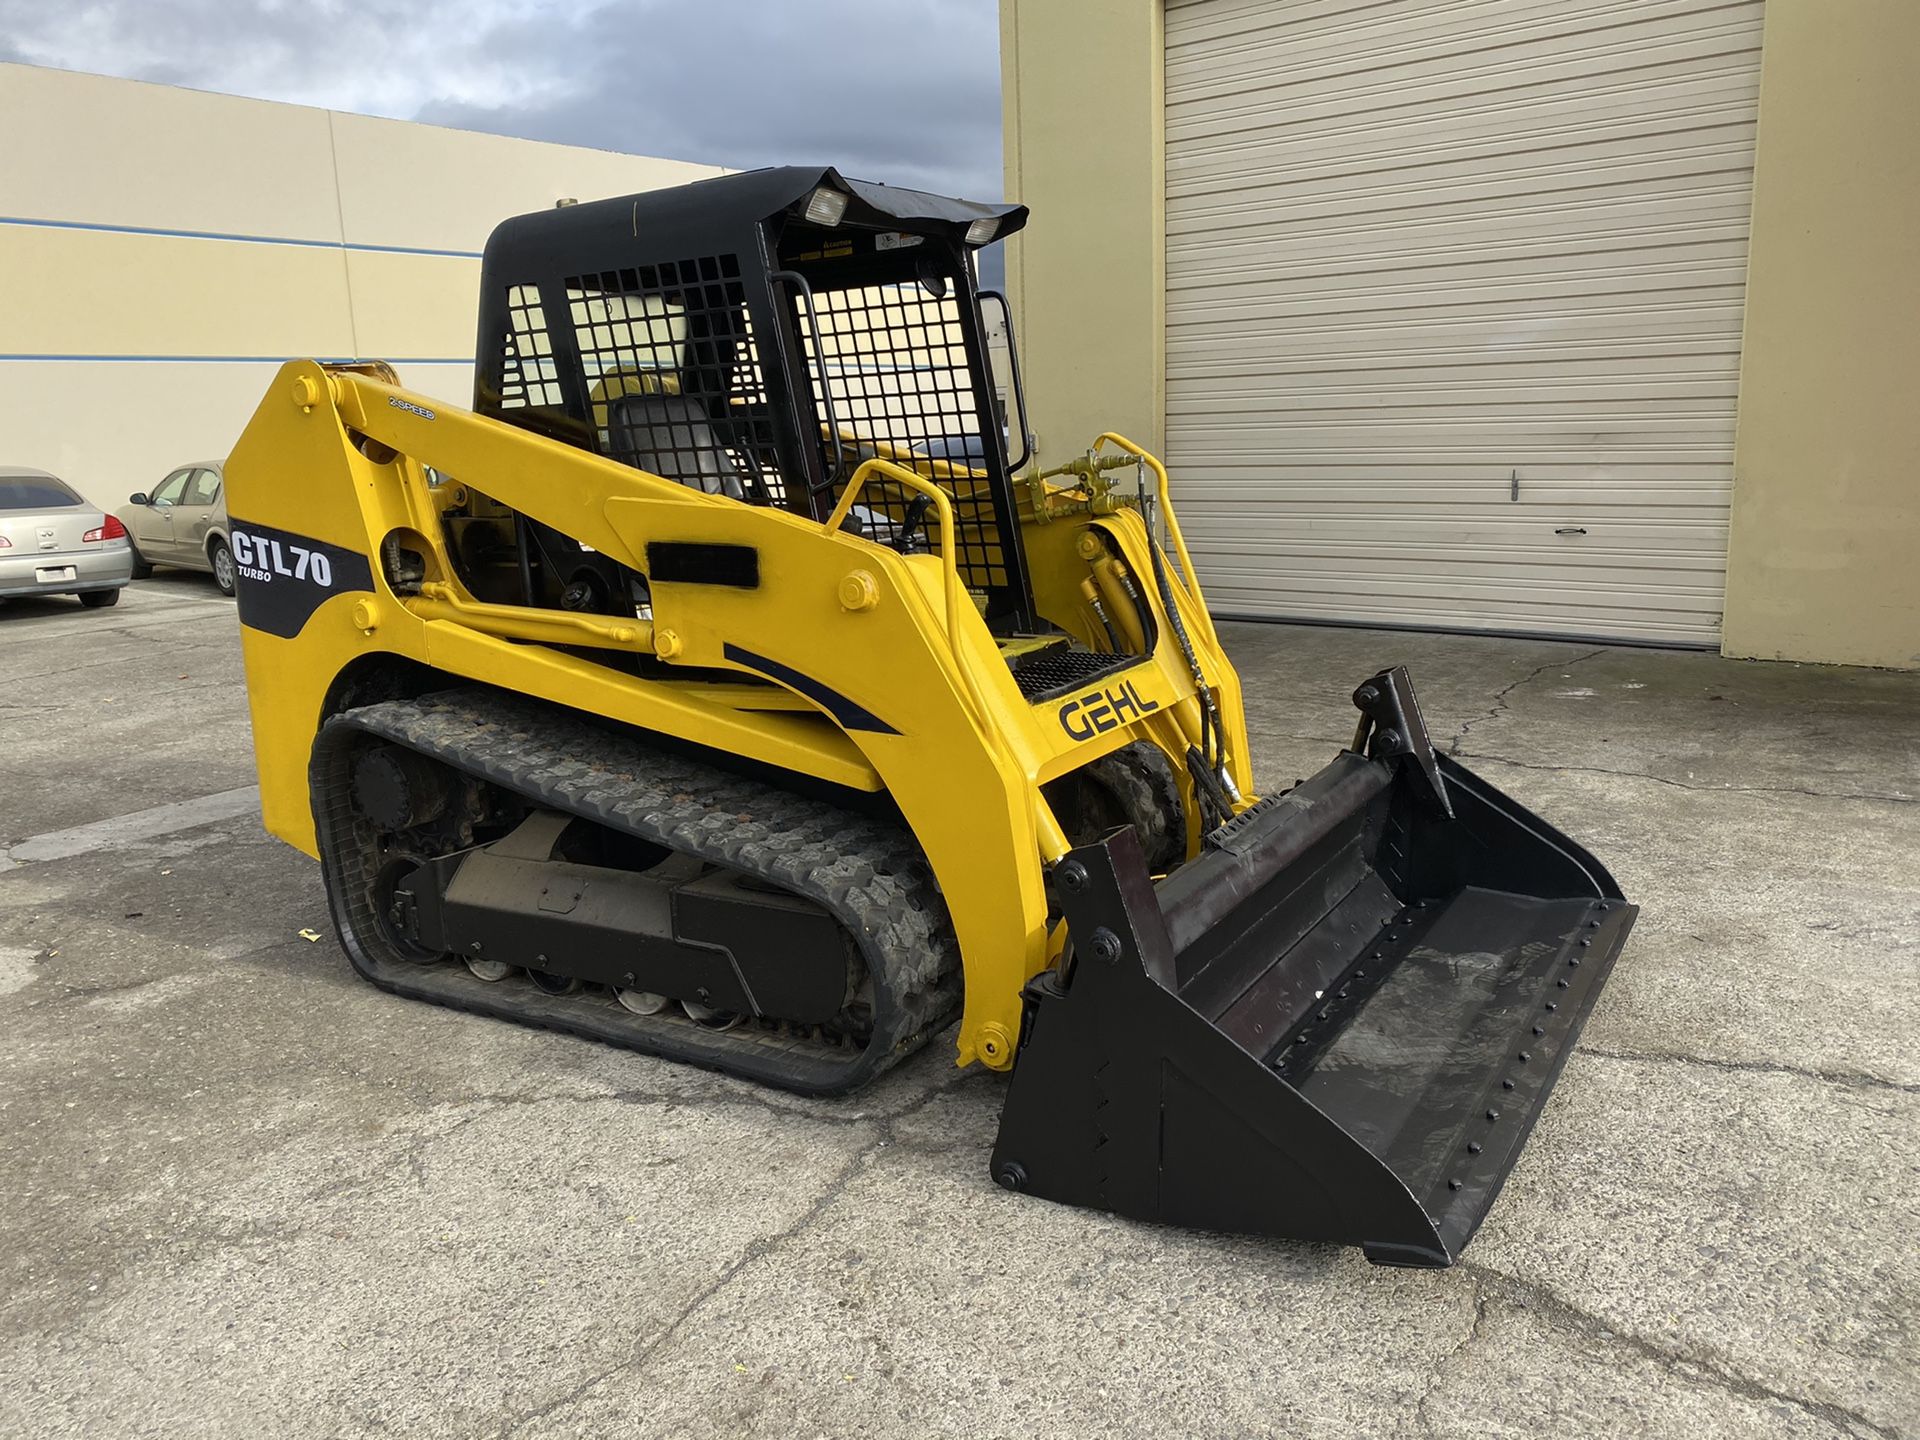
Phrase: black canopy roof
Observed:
(711, 216)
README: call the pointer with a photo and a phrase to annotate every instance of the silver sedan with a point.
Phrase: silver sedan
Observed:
(52, 542)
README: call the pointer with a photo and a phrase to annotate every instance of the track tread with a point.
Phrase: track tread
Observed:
(868, 871)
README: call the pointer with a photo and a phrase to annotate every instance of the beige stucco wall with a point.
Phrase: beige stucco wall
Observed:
(1826, 506)
(124, 354)
(1826, 503)
(1081, 88)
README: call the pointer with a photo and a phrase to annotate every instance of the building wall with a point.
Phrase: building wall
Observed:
(1826, 517)
(1081, 86)
(162, 251)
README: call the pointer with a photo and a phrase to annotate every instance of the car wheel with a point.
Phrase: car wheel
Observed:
(100, 599)
(222, 559)
(142, 567)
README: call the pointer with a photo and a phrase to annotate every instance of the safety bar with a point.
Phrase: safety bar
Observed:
(1013, 366)
(814, 337)
(1187, 572)
(949, 542)
(1053, 840)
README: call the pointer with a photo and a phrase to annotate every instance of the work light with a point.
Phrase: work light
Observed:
(826, 205)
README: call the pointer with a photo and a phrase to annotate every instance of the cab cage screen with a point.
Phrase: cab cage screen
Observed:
(885, 339)
(668, 364)
(770, 371)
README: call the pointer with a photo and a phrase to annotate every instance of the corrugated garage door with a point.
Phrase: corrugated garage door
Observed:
(1423, 258)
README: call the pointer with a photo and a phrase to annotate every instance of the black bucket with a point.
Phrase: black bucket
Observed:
(1338, 1023)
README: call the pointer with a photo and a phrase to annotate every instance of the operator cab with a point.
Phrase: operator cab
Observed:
(758, 336)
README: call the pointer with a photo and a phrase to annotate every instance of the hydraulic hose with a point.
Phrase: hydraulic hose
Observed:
(1211, 729)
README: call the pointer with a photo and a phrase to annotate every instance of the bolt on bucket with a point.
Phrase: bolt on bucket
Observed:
(1337, 1023)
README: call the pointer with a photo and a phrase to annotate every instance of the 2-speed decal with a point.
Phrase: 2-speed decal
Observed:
(281, 578)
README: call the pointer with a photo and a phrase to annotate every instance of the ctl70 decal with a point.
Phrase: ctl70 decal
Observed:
(281, 578)
(259, 558)
(1099, 711)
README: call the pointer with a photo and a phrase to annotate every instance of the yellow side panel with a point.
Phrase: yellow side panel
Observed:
(897, 700)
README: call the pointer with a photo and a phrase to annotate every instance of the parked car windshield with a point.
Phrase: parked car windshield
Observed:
(35, 492)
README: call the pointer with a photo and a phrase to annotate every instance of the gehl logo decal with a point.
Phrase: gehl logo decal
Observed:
(1099, 711)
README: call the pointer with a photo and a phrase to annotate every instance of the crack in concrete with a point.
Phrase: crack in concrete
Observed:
(1683, 785)
(755, 1249)
(1563, 1315)
(95, 992)
(1452, 1357)
(1853, 1079)
(192, 1234)
(83, 993)
(638, 1096)
(412, 1159)
(1500, 698)
(65, 670)
(941, 1150)
(483, 1105)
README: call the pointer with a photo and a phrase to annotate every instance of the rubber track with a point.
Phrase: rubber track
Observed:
(868, 872)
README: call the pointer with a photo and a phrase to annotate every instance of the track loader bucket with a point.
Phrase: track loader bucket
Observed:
(1337, 1023)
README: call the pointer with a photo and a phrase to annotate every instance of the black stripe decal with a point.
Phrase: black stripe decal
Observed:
(679, 562)
(281, 578)
(851, 716)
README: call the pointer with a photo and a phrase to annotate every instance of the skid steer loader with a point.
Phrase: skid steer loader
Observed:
(719, 687)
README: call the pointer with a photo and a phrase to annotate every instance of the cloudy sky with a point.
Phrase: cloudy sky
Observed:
(906, 91)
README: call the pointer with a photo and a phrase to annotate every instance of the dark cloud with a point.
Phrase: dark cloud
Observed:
(906, 91)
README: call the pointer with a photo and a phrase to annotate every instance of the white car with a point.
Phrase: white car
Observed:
(52, 542)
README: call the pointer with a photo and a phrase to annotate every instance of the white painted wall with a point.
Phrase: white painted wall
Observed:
(162, 251)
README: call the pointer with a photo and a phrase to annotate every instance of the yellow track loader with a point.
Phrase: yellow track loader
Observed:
(720, 687)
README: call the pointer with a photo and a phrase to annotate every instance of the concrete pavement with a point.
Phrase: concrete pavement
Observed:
(248, 1195)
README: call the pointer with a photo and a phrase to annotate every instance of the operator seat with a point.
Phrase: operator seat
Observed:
(672, 436)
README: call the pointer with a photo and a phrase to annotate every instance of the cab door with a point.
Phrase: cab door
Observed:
(152, 523)
(194, 514)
